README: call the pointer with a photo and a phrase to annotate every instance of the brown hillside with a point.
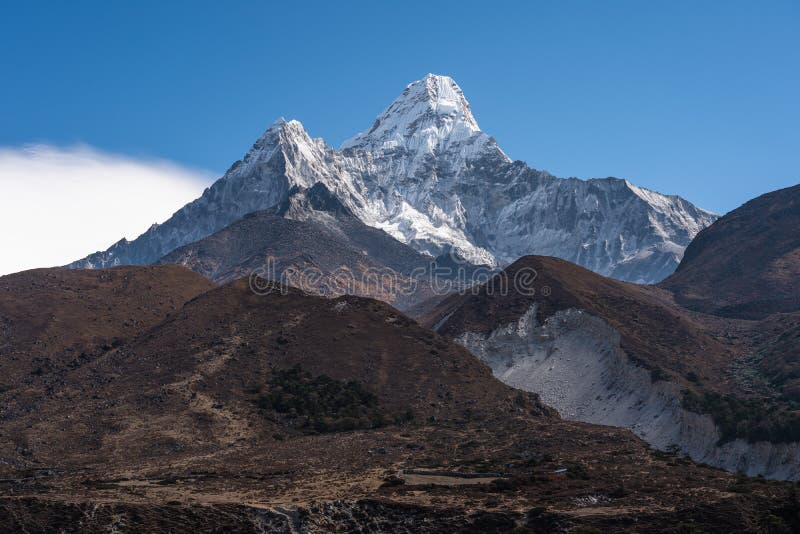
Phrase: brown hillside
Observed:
(195, 380)
(248, 413)
(747, 264)
(55, 317)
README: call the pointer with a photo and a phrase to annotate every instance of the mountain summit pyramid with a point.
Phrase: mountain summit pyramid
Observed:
(426, 174)
(431, 114)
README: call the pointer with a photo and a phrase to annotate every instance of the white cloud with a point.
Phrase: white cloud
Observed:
(59, 204)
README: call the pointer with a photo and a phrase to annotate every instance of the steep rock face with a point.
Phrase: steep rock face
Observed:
(574, 362)
(427, 175)
(284, 156)
(747, 263)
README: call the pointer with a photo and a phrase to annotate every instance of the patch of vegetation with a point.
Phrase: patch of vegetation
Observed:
(780, 363)
(750, 419)
(619, 492)
(577, 472)
(392, 481)
(786, 516)
(501, 485)
(657, 374)
(323, 404)
(539, 519)
(749, 373)
(741, 485)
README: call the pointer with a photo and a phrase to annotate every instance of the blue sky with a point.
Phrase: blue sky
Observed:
(692, 98)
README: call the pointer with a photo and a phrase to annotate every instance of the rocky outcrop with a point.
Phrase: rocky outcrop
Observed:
(574, 362)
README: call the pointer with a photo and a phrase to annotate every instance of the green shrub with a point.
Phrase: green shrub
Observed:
(323, 404)
(657, 374)
(750, 419)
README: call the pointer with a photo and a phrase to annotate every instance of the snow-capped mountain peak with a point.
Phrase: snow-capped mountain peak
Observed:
(280, 132)
(431, 114)
(426, 174)
(302, 156)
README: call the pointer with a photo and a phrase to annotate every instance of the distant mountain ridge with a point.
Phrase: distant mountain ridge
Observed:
(427, 175)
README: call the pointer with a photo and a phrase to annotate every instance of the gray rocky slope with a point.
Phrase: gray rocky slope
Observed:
(574, 362)
(426, 174)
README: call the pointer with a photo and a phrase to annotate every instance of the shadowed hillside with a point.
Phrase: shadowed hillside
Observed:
(747, 263)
